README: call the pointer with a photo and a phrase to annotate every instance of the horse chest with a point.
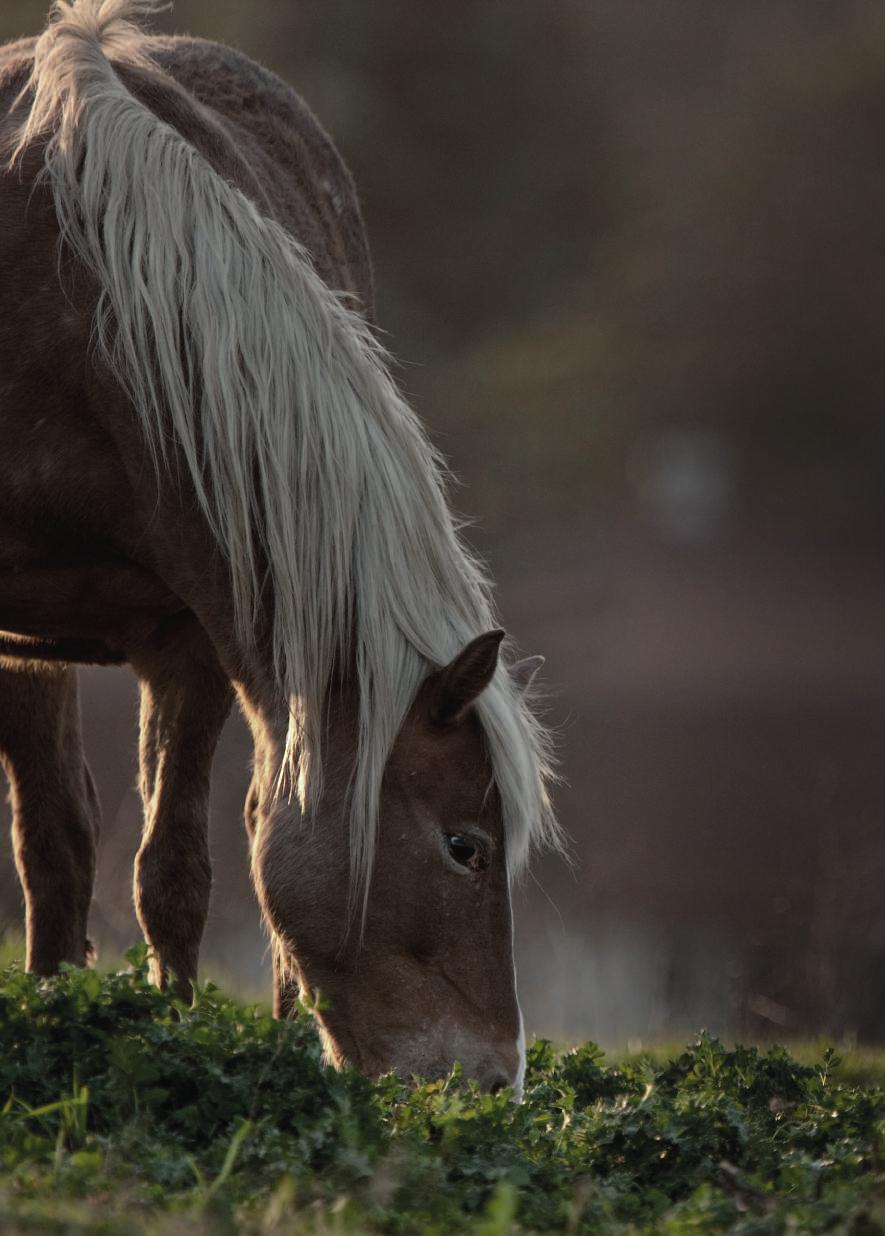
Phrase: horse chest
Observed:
(60, 574)
(115, 608)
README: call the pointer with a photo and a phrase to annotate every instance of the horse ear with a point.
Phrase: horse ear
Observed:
(465, 678)
(523, 672)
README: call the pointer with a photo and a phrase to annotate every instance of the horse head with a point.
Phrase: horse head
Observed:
(425, 978)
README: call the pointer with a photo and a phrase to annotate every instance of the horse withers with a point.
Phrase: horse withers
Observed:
(207, 472)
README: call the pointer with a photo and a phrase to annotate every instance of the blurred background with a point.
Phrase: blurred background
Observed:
(632, 259)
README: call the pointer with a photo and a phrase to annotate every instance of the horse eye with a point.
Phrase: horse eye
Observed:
(466, 851)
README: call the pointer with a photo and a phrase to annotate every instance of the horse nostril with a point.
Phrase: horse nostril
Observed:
(499, 1082)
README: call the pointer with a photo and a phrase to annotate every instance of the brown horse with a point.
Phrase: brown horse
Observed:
(207, 472)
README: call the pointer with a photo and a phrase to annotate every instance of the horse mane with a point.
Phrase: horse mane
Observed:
(311, 470)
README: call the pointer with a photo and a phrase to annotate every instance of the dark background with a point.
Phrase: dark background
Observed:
(632, 258)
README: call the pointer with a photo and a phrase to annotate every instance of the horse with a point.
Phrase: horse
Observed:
(208, 472)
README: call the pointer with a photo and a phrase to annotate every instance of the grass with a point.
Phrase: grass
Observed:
(124, 1112)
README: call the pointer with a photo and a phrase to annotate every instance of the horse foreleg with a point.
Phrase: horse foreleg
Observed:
(55, 811)
(285, 989)
(185, 699)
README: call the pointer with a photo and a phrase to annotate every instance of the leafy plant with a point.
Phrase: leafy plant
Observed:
(123, 1110)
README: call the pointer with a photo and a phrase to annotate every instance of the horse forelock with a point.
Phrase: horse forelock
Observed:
(304, 458)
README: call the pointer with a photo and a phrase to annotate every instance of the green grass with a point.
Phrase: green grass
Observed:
(123, 1112)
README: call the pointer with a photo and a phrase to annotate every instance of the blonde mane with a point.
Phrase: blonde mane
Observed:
(301, 451)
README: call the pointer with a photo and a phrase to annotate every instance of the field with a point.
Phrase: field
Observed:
(126, 1112)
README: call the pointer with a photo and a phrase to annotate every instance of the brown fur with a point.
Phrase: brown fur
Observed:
(101, 559)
